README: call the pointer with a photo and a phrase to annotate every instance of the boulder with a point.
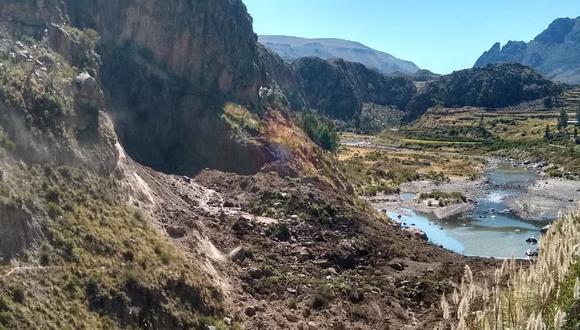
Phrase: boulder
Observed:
(416, 233)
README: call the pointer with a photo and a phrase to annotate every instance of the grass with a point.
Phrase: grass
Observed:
(373, 171)
(517, 134)
(445, 198)
(241, 119)
(97, 251)
(542, 295)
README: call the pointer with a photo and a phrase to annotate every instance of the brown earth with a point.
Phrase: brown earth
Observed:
(294, 253)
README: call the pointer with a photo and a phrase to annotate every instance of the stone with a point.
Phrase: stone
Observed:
(292, 318)
(416, 233)
(312, 326)
(255, 273)
(545, 229)
(240, 254)
(175, 231)
(397, 266)
(250, 311)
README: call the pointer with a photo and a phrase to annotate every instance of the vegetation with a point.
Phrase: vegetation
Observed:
(543, 295)
(372, 172)
(319, 129)
(523, 135)
(445, 198)
(493, 86)
(97, 253)
(374, 119)
(241, 119)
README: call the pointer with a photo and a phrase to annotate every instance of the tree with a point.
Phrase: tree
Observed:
(321, 130)
(563, 120)
(547, 134)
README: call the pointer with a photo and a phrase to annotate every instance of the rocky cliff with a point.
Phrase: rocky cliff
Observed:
(555, 52)
(339, 89)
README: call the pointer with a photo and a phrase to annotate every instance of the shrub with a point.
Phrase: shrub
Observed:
(322, 297)
(319, 129)
(54, 211)
(18, 294)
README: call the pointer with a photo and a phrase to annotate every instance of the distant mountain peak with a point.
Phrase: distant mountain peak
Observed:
(555, 52)
(292, 48)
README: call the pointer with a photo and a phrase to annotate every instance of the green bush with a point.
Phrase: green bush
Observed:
(54, 210)
(319, 129)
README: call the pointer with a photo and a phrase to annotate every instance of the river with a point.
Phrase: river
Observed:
(486, 231)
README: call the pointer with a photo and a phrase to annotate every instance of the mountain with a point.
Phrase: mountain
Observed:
(152, 176)
(492, 86)
(291, 48)
(339, 89)
(554, 53)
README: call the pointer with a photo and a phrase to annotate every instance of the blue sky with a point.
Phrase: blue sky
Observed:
(439, 35)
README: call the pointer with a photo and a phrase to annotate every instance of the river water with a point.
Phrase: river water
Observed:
(487, 231)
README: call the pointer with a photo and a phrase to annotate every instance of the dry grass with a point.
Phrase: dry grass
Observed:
(537, 296)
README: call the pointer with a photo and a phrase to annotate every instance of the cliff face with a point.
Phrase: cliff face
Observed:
(210, 44)
(338, 88)
(168, 72)
(32, 16)
(555, 52)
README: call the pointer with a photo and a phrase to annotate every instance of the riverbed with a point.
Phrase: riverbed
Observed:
(486, 226)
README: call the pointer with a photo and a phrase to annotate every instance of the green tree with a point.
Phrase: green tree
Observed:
(319, 129)
(563, 120)
(547, 134)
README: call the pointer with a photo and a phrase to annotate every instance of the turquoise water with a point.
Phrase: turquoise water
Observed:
(486, 231)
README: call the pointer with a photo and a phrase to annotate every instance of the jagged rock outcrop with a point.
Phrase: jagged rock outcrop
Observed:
(554, 53)
(338, 88)
(168, 72)
(276, 71)
(47, 114)
(208, 44)
(32, 16)
(493, 86)
(20, 230)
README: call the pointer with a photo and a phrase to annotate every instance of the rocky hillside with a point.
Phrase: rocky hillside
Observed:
(493, 86)
(339, 89)
(97, 96)
(292, 48)
(554, 53)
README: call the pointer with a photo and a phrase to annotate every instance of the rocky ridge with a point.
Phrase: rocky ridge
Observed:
(555, 52)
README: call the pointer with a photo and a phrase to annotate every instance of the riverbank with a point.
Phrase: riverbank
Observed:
(410, 197)
(545, 199)
(540, 199)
